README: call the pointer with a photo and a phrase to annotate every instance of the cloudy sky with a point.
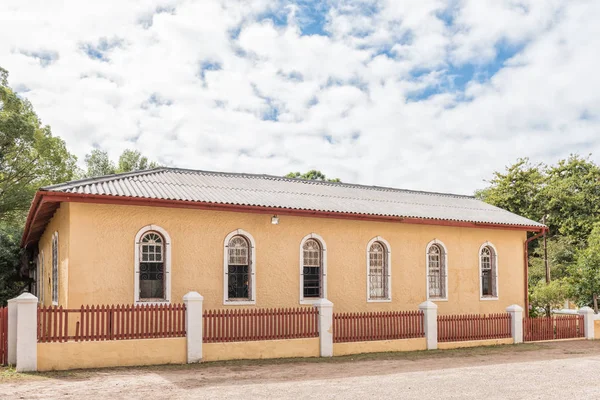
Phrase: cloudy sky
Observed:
(419, 94)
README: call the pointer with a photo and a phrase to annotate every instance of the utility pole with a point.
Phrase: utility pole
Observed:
(546, 252)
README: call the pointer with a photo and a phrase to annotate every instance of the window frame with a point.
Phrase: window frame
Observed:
(388, 261)
(442, 246)
(494, 271)
(321, 241)
(167, 262)
(54, 249)
(252, 269)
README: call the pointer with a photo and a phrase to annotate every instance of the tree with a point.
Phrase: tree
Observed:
(98, 163)
(11, 282)
(518, 190)
(132, 160)
(562, 255)
(571, 197)
(585, 274)
(312, 175)
(549, 296)
(30, 157)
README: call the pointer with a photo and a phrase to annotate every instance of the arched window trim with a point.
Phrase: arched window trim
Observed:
(445, 250)
(323, 272)
(136, 269)
(250, 239)
(55, 259)
(388, 256)
(494, 269)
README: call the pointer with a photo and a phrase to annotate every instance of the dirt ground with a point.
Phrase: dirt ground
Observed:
(340, 377)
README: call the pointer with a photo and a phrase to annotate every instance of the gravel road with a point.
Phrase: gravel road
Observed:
(539, 371)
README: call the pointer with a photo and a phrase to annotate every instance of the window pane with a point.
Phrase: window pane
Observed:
(238, 282)
(151, 280)
(312, 274)
(312, 282)
(377, 272)
(436, 272)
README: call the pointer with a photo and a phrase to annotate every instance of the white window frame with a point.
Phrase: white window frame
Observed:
(250, 239)
(445, 250)
(494, 269)
(321, 241)
(136, 268)
(55, 270)
(388, 260)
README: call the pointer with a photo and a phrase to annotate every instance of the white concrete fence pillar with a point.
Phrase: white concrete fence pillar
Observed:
(325, 308)
(26, 356)
(193, 326)
(516, 322)
(12, 332)
(588, 322)
(430, 323)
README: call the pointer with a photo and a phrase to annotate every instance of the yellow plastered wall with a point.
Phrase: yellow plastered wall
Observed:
(379, 346)
(101, 258)
(60, 224)
(308, 347)
(473, 343)
(112, 353)
(597, 329)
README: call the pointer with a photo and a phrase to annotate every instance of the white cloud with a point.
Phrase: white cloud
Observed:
(381, 97)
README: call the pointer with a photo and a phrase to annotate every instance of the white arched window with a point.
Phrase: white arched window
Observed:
(488, 272)
(379, 278)
(437, 271)
(152, 265)
(55, 268)
(239, 269)
(313, 269)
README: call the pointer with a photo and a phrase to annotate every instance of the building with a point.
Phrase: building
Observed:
(245, 240)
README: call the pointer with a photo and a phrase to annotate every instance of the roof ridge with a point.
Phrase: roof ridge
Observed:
(319, 182)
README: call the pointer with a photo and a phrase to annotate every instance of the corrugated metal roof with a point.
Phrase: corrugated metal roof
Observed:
(299, 194)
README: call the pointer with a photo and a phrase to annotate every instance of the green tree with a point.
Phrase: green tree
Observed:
(132, 160)
(571, 197)
(98, 163)
(312, 175)
(11, 255)
(518, 189)
(562, 255)
(552, 294)
(30, 157)
(585, 274)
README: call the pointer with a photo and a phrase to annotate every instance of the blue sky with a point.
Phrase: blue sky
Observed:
(429, 94)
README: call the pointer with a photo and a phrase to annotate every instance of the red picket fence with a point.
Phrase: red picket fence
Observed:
(3, 335)
(554, 327)
(359, 327)
(259, 324)
(119, 322)
(458, 328)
